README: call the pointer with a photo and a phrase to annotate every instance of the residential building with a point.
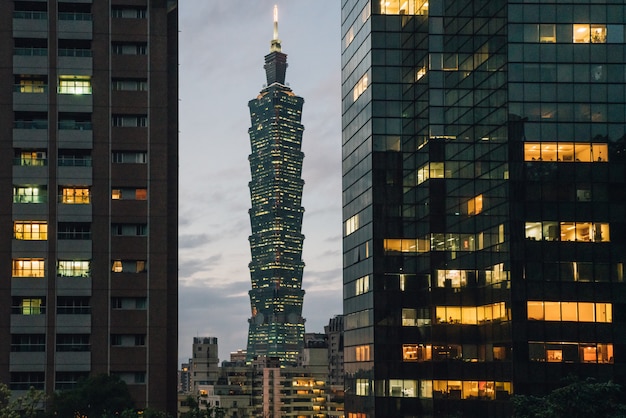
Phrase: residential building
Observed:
(88, 234)
(334, 336)
(483, 202)
(205, 361)
(276, 326)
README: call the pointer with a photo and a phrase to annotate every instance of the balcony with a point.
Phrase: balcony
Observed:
(74, 212)
(30, 98)
(75, 135)
(27, 24)
(30, 60)
(73, 286)
(30, 134)
(75, 26)
(77, 61)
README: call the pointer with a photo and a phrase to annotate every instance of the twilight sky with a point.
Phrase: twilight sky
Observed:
(222, 49)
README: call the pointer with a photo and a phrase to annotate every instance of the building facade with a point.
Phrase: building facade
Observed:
(483, 201)
(276, 327)
(88, 230)
(204, 363)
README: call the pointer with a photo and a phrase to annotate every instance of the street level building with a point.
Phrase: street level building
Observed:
(89, 195)
(276, 326)
(483, 202)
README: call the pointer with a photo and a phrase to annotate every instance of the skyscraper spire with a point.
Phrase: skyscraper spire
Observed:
(275, 61)
(275, 45)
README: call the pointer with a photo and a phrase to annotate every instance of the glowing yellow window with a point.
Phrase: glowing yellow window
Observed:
(554, 356)
(75, 195)
(581, 34)
(598, 34)
(363, 353)
(30, 231)
(28, 267)
(31, 84)
(74, 85)
(32, 307)
(475, 205)
(116, 194)
(117, 266)
(535, 311)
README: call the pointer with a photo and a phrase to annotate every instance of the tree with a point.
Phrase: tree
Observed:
(30, 405)
(97, 396)
(576, 400)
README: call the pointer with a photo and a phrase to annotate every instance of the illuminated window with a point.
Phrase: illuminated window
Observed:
(433, 170)
(419, 73)
(75, 195)
(362, 387)
(29, 306)
(475, 205)
(406, 245)
(363, 353)
(352, 224)
(128, 266)
(605, 353)
(28, 267)
(29, 194)
(30, 230)
(564, 311)
(30, 158)
(471, 315)
(360, 87)
(416, 352)
(79, 85)
(415, 317)
(585, 33)
(404, 7)
(71, 268)
(565, 152)
(584, 231)
(453, 278)
(362, 285)
(30, 84)
(129, 194)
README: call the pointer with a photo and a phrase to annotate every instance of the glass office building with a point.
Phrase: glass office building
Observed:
(276, 326)
(483, 201)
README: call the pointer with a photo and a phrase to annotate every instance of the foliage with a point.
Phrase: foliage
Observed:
(146, 413)
(27, 406)
(97, 396)
(196, 412)
(576, 400)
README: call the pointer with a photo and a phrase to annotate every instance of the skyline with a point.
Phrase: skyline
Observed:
(214, 225)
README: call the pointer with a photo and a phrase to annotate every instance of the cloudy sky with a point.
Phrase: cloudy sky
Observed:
(222, 49)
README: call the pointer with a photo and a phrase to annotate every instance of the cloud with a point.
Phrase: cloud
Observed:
(193, 240)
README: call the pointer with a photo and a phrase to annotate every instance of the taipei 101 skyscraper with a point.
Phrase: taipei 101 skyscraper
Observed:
(276, 323)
